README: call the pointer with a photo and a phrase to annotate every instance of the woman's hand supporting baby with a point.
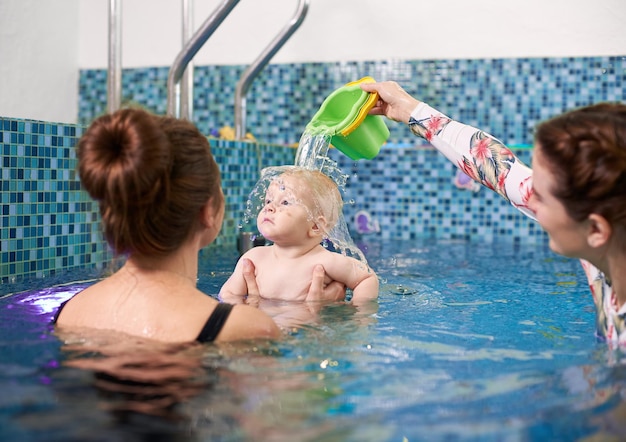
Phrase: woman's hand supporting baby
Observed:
(335, 291)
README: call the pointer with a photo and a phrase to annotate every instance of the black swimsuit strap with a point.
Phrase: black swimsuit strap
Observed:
(58, 312)
(215, 323)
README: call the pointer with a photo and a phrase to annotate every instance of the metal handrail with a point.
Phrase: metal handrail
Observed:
(189, 51)
(186, 90)
(253, 70)
(114, 77)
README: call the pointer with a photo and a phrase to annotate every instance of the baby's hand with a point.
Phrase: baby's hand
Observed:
(234, 291)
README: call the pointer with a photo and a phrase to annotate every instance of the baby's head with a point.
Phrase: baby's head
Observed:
(315, 191)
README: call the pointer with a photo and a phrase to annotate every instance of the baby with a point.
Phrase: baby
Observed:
(301, 207)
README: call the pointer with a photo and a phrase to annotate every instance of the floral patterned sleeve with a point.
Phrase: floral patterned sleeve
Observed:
(479, 155)
(487, 161)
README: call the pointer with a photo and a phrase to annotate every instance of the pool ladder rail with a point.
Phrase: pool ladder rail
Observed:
(179, 85)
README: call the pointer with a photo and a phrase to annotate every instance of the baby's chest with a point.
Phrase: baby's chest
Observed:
(285, 281)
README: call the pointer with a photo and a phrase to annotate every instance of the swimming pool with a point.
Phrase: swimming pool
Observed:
(467, 341)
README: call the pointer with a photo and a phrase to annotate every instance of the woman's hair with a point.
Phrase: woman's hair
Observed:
(586, 151)
(323, 192)
(151, 176)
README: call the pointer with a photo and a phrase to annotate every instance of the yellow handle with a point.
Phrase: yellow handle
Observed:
(364, 109)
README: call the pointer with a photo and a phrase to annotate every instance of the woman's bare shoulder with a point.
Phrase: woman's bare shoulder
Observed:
(247, 322)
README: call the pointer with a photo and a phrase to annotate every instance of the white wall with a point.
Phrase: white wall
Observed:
(336, 30)
(43, 43)
(39, 59)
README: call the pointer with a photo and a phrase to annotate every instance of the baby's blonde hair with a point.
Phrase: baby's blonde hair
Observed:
(321, 191)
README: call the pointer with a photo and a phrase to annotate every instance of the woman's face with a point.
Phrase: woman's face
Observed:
(567, 236)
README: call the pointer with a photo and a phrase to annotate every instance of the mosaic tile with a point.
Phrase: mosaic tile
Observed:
(48, 224)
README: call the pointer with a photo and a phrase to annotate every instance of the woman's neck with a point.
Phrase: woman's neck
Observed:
(616, 275)
(182, 263)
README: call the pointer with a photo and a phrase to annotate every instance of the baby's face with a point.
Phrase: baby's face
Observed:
(287, 191)
(285, 208)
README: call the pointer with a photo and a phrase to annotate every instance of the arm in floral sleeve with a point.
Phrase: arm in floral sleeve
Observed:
(479, 155)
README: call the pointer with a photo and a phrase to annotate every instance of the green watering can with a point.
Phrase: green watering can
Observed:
(344, 116)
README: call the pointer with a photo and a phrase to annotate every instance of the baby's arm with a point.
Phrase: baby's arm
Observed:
(355, 274)
(367, 288)
(235, 288)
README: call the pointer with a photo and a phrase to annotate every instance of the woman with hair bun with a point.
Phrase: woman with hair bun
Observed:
(158, 187)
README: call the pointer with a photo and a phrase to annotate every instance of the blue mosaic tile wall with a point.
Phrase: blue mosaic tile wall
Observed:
(410, 193)
(506, 97)
(49, 224)
(240, 165)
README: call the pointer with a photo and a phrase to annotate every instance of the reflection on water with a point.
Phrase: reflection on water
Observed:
(132, 375)
(465, 343)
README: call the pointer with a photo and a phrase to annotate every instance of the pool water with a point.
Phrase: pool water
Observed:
(466, 342)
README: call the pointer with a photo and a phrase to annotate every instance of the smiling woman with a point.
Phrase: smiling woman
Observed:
(581, 162)
(567, 236)
(580, 181)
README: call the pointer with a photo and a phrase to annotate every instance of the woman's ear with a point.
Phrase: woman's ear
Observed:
(208, 214)
(600, 231)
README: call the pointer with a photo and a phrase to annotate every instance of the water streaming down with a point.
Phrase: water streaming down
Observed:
(312, 154)
(312, 150)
